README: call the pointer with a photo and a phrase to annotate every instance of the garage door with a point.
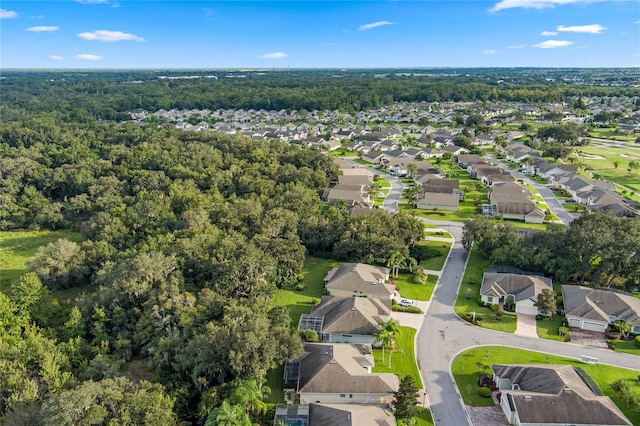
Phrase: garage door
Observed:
(593, 326)
(528, 310)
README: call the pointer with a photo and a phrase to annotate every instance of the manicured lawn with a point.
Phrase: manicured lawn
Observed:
(470, 363)
(548, 328)
(383, 183)
(574, 207)
(275, 381)
(411, 290)
(605, 166)
(610, 133)
(436, 263)
(424, 418)
(301, 302)
(16, 247)
(438, 234)
(628, 347)
(403, 361)
(467, 301)
(363, 162)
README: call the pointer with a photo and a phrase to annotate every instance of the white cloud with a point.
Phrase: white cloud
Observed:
(548, 33)
(489, 51)
(88, 57)
(6, 14)
(56, 58)
(274, 55)
(517, 46)
(637, 22)
(589, 29)
(109, 36)
(536, 4)
(42, 29)
(552, 44)
(374, 25)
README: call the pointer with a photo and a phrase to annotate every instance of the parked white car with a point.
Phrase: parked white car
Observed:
(405, 302)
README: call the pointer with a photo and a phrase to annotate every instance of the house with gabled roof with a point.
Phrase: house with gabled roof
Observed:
(521, 289)
(359, 279)
(539, 395)
(347, 319)
(438, 201)
(593, 309)
(339, 373)
(512, 200)
(335, 415)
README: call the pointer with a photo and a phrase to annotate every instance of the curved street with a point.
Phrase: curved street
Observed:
(443, 334)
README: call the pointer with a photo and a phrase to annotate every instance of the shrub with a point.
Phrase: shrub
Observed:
(300, 287)
(637, 341)
(409, 309)
(484, 392)
(309, 336)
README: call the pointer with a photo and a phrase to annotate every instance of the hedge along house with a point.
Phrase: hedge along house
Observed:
(521, 290)
(590, 309)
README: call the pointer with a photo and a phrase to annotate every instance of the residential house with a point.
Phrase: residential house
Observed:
(538, 395)
(355, 180)
(489, 174)
(454, 149)
(546, 169)
(338, 373)
(591, 309)
(580, 187)
(315, 414)
(512, 200)
(350, 194)
(359, 279)
(375, 157)
(465, 160)
(483, 140)
(347, 319)
(498, 288)
(439, 185)
(438, 200)
(612, 202)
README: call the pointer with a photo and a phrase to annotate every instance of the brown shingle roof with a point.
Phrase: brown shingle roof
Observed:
(359, 277)
(523, 287)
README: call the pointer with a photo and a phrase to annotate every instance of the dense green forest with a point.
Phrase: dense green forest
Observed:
(109, 95)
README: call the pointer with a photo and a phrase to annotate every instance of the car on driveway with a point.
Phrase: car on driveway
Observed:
(405, 302)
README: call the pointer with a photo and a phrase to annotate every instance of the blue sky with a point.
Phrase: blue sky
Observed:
(317, 34)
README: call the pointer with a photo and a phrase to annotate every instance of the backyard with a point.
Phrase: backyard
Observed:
(469, 364)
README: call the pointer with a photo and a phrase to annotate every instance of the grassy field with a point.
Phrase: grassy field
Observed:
(411, 290)
(301, 302)
(470, 363)
(436, 263)
(467, 301)
(601, 160)
(16, 247)
(403, 361)
(610, 133)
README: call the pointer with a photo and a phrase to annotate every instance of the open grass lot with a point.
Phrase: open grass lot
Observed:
(548, 328)
(403, 361)
(436, 263)
(467, 301)
(301, 302)
(16, 247)
(605, 166)
(411, 290)
(470, 363)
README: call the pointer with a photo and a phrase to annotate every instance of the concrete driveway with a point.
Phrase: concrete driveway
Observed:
(526, 326)
(410, 320)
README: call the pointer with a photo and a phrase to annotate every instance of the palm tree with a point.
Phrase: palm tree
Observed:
(251, 395)
(396, 261)
(384, 337)
(228, 415)
(624, 327)
(412, 263)
(392, 326)
(412, 168)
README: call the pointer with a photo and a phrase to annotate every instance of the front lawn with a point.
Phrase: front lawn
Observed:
(470, 363)
(403, 361)
(548, 328)
(411, 290)
(424, 417)
(467, 301)
(628, 347)
(17, 247)
(301, 302)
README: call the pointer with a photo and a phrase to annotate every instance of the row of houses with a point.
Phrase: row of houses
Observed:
(333, 378)
(585, 308)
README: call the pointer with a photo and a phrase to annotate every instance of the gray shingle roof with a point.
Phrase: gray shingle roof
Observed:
(352, 315)
(556, 394)
(359, 277)
(599, 305)
(522, 287)
(350, 415)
